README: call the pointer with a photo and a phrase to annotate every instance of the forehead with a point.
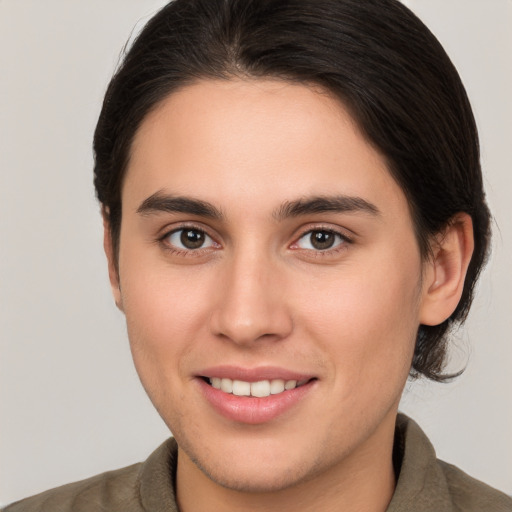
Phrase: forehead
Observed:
(254, 139)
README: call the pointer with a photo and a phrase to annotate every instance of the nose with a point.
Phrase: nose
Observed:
(251, 302)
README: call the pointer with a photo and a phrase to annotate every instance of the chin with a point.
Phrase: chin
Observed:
(258, 480)
(263, 467)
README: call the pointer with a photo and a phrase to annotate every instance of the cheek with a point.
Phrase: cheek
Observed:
(367, 320)
(164, 322)
(165, 316)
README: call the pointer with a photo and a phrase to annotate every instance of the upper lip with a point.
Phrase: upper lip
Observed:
(254, 374)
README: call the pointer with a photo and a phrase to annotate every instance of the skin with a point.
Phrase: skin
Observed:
(257, 293)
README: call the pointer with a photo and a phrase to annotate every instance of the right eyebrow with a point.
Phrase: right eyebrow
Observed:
(167, 203)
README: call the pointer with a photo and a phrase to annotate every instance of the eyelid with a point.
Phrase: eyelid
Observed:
(193, 226)
(343, 233)
(338, 231)
(207, 240)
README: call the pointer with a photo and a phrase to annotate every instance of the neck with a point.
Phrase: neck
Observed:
(363, 481)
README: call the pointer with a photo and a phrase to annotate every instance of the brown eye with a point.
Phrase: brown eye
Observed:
(189, 239)
(192, 239)
(320, 240)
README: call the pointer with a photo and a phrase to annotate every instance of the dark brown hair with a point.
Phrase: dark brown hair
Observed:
(376, 56)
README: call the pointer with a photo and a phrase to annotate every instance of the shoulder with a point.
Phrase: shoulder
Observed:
(113, 491)
(469, 494)
(427, 484)
(146, 486)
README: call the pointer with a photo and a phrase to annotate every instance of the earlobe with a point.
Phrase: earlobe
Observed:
(444, 277)
(113, 272)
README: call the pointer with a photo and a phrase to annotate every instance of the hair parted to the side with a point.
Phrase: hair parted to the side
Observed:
(376, 56)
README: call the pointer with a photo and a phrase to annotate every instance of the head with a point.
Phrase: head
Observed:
(394, 87)
(376, 57)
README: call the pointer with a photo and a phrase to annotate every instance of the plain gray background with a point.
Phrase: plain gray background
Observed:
(71, 403)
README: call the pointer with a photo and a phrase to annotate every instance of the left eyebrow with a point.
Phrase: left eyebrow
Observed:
(160, 202)
(325, 204)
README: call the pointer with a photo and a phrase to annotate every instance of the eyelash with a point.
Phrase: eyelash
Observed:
(200, 251)
(344, 240)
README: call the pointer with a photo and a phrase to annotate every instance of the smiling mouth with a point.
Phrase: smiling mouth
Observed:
(259, 389)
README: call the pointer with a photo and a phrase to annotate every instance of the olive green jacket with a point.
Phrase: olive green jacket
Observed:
(424, 484)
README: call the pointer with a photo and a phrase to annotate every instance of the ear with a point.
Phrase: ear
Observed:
(446, 271)
(113, 272)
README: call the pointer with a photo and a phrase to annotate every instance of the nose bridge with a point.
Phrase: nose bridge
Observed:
(251, 303)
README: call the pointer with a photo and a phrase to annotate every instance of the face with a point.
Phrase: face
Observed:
(266, 250)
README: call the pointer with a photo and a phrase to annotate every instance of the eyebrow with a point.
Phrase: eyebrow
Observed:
(160, 202)
(326, 204)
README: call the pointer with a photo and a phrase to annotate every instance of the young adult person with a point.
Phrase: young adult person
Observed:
(294, 221)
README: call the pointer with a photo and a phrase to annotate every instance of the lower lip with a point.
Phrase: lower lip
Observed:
(253, 410)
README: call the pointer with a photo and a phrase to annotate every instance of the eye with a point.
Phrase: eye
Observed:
(189, 239)
(320, 240)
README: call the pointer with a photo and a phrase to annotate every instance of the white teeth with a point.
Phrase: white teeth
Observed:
(290, 384)
(226, 385)
(261, 388)
(258, 389)
(276, 386)
(241, 388)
